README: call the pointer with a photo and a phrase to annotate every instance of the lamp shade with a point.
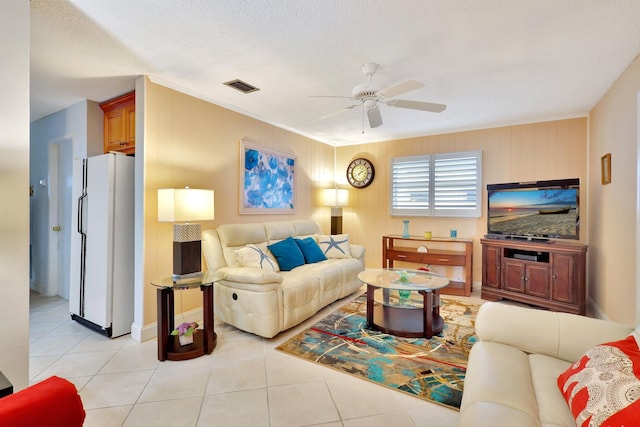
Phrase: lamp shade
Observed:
(185, 204)
(336, 197)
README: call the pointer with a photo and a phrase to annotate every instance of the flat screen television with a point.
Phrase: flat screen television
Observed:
(539, 210)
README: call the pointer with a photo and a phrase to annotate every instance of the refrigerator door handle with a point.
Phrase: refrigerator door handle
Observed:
(83, 234)
(82, 198)
(81, 211)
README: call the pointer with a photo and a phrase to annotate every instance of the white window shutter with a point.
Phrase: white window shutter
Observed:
(446, 185)
(410, 186)
(457, 184)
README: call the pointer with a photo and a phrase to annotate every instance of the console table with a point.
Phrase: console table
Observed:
(204, 340)
(404, 249)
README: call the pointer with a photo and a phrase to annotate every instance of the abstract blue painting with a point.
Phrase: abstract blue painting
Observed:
(267, 180)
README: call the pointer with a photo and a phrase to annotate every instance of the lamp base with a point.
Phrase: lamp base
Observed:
(187, 257)
(336, 225)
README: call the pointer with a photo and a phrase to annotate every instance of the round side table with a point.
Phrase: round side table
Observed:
(204, 340)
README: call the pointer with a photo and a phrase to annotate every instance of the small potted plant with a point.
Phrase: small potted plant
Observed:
(185, 331)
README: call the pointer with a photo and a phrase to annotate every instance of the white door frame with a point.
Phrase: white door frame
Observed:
(57, 261)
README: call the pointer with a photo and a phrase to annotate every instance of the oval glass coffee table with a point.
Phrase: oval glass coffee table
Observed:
(390, 308)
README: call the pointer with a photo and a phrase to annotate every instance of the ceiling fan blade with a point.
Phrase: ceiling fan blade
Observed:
(375, 118)
(326, 116)
(417, 105)
(401, 88)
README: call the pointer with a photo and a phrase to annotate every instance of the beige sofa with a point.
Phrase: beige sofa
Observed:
(512, 373)
(265, 302)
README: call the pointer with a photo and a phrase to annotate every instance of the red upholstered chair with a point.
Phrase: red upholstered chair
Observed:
(53, 402)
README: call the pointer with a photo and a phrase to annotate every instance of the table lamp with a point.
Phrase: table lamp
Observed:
(336, 198)
(183, 206)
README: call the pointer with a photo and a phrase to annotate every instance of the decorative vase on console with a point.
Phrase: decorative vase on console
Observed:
(405, 233)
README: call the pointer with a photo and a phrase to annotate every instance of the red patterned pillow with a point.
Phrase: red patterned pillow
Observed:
(603, 387)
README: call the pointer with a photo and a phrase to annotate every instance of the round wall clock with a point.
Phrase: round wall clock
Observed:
(360, 173)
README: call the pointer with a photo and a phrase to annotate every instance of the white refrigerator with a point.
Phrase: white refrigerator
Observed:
(102, 255)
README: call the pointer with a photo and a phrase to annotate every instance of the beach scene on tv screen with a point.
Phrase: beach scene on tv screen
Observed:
(534, 212)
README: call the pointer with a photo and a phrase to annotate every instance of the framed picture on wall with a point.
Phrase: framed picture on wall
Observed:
(605, 168)
(267, 180)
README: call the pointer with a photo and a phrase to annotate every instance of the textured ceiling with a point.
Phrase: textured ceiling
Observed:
(493, 62)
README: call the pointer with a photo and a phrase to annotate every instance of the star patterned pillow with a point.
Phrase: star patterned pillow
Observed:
(257, 257)
(336, 246)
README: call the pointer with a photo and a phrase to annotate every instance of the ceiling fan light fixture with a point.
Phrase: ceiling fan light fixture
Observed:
(375, 118)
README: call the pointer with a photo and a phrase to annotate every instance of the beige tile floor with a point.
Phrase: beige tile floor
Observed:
(244, 382)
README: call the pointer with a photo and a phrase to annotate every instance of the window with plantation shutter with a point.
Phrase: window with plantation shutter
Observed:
(410, 185)
(446, 185)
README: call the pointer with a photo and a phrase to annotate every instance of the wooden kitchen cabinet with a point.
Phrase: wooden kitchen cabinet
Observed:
(546, 274)
(120, 124)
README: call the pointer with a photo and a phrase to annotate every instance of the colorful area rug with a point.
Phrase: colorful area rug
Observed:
(431, 369)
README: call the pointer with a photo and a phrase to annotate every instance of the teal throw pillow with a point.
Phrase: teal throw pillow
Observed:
(287, 253)
(310, 250)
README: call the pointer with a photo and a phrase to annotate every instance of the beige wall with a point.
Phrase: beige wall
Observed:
(613, 232)
(192, 142)
(14, 188)
(539, 151)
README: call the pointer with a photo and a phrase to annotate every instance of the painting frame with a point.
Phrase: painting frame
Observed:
(605, 169)
(267, 180)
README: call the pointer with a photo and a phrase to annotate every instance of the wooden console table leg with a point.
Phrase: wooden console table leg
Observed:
(468, 269)
(210, 337)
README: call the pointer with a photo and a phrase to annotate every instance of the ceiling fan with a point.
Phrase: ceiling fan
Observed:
(372, 93)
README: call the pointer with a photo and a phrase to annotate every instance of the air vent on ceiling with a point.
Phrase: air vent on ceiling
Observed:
(241, 86)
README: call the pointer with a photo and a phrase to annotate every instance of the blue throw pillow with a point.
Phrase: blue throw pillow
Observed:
(287, 253)
(310, 249)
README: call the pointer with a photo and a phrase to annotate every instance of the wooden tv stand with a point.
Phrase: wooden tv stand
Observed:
(398, 248)
(546, 274)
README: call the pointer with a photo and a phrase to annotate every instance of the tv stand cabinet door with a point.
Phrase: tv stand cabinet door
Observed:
(563, 278)
(492, 262)
(514, 275)
(537, 280)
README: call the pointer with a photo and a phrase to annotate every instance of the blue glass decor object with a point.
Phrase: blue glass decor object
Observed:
(405, 233)
(403, 293)
(404, 296)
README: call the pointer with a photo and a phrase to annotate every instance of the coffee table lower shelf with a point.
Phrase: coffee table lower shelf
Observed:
(403, 322)
(409, 322)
